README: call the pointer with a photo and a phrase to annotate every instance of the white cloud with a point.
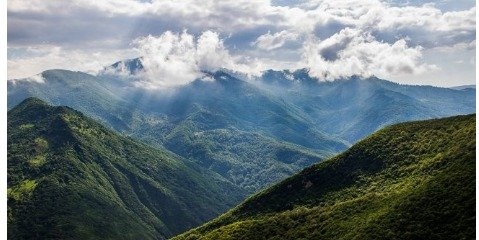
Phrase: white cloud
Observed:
(353, 52)
(211, 53)
(463, 46)
(38, 78)
(426, 17)
(269, 42)
(169, 59)
(173, 59)
(44, 57)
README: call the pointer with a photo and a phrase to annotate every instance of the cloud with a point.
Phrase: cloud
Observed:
(267, 34)
(173, 59)
(463, 46)
(38, 78)
(33, 60)
(100, 20)
(423, 24)
(353, 52)
(426, 17)
(270, 42)
(211, 53)
(169, 59)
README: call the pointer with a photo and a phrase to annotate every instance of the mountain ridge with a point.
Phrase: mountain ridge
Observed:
(413, 180)
(85, 181)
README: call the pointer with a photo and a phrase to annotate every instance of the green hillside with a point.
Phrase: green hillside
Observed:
(71, 178)
(413, 180)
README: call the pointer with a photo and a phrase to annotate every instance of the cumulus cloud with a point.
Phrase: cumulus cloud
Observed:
(168, 59)
(270, 41)
(353, 52)
(173, 59)
(424, 24)
(211, 53)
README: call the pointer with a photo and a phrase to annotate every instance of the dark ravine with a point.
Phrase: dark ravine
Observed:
(72, 178)
(413, 180)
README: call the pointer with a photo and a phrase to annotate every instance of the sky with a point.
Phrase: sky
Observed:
(406, 41)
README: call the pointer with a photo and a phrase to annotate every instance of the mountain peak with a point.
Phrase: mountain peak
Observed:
(32, 101)
(125, 67)
(83, 172)
(34, 106)
(31, 108)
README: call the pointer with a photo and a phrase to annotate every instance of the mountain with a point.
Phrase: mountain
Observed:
(226, 125)
(230, 127)
(252, 131)
(464, 87)
(412, 180)
(79, 90)
(72, 178)
(354, 107)
(126, 67)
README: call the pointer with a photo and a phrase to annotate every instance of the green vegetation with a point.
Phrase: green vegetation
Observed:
(22, 190)
(409, 181)
(26, 126)
(71, 178)
(249, 160)
(38, 161)
(247, 136)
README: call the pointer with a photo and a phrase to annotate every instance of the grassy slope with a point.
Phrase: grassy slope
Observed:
(71, 178)
(409, 181)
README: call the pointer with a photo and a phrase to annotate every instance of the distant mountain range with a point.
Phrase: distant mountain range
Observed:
(243, 128)
(463, 87)
(408, 181)
(71, 178)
